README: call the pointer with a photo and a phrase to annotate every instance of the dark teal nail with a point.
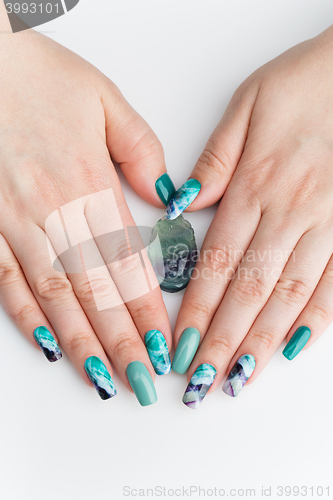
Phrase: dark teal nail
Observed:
(158, 352)
(186, 349)
(299, 340)
(100, 377)
(165, 188)
(47, 343)
(141, 382)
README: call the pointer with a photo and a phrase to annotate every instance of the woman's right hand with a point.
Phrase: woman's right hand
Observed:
(60, 121)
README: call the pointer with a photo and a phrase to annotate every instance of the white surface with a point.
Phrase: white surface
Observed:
(178, 63)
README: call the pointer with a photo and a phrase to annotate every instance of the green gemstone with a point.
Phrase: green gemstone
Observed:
(173, 253)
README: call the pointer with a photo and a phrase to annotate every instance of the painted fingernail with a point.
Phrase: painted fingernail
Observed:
(186, 349)
(239, 375)
(299, 340)
(199, 385)
(158, 352)
(100, 377)
(165, 188)
(47, 343)
(141, 382)
(182, 199)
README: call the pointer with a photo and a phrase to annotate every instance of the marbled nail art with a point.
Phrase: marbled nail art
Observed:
(100, 377)
(182, 199)
(48, 345)
(199, 385)
(239, 375)
(158, 352)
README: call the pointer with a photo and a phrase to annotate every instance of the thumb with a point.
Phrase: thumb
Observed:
(136, 148)
(225, 146)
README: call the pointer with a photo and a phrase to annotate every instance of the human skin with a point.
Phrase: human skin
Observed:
(61, 122)
(270, 157)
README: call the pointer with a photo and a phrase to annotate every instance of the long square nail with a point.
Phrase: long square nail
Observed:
(185, 195)
(141, 382)
(199, 385)
(239, 375)
(158, 352)
(165, 188)
(47, 343)
(299, 340)
(100, 377)
(186, 349)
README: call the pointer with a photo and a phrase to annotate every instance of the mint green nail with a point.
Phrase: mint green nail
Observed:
(300, 338)
(186, 349)
(141, 382)
(165, 188)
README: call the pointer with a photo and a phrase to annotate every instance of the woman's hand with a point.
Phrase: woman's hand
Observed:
(266, 268)
(60, 121)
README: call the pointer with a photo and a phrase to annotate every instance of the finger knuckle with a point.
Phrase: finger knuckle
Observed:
(52, 287)
(141, 310)
(23, 314)
(325, 314)
(220, 345)
(263, 337)
(10, 272)
(291, 291)
(125, 342)
(219, 261)
(79, 340)
(199, 308)
(88, 290)
(210, 162)
(249, 289)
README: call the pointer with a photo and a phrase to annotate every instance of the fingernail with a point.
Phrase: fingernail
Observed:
(141, 382)
(182, 199)
(48, 345)
(100, 377)
(158, 352)
(239, 375)
(186, 349)
(199, 385)
(300, 338)
(165, 188)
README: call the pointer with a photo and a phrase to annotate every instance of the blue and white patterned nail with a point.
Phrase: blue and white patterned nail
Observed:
(199, 385)
(239, 375)
(158, 352)
(47, 343)
(182, 199)
(100, 377)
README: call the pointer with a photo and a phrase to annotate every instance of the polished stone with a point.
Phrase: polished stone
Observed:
(174, 258)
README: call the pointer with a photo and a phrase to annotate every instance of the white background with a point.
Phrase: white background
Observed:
(178, 63)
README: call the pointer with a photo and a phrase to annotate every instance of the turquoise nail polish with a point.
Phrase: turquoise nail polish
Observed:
(199, 385)
(165, 188)
(48, 345)
(186, 349)
(300, 338)
(158, 352)
(185, 195)
(239, 375)
(141, 382)
(100, 377)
